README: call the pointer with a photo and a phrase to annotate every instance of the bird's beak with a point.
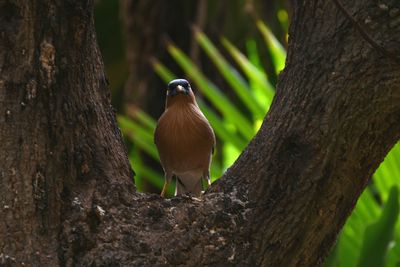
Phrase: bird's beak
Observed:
(180, 89)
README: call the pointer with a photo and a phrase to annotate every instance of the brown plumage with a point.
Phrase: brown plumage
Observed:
(184, 139)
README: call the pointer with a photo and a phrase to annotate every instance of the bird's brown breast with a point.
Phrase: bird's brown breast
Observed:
(184, 138)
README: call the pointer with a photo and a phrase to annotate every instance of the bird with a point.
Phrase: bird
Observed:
(185, 140)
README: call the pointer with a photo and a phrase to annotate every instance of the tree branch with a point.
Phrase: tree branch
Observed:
(390, 55)
(66, 185)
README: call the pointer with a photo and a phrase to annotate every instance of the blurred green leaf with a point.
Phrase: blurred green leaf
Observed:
(136, 160)
(347, 249)
(277, 51)
(141, 136)
(218, 99)
(388, 173)
(253, 54)
(332, 260)
(378, 235)
(368, 211)
(283, 18)
(220, 130)
(165, 74)
(255, 76)
(234, 79)
(349, 245)
(143, 118)
(393, 257)
(142, 170)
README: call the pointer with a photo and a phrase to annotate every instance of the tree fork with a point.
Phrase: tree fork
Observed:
(66, 186)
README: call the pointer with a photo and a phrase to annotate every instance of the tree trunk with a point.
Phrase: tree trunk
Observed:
(60, 143)
(335, 116)
(66, 190)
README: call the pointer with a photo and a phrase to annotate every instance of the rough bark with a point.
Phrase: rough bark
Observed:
(335, 116)
(60, 144)
(66, 192)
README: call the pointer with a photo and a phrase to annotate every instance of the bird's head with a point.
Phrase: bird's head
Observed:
(178, 86)
(179, 90)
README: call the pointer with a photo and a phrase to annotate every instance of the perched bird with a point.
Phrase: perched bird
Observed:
(185, 140)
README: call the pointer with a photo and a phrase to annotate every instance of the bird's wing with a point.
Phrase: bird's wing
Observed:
(157, 129)
(209, 132)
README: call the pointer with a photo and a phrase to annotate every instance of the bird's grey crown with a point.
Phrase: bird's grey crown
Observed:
(174, 83)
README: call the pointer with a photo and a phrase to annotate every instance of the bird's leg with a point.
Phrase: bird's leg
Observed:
(164, 188)
(206, 176)
(167, 181)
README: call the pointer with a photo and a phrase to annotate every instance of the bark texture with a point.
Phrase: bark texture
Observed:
(60, 145)
(66, 190)
(335, 116)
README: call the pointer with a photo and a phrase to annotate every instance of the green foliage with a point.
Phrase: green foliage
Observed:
(278, 53)
(258, 78)
(233, 127)
(213, 94)
(371, 236)
(378, 234)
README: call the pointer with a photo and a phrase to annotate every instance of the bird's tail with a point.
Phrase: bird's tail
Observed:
(189, 183)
